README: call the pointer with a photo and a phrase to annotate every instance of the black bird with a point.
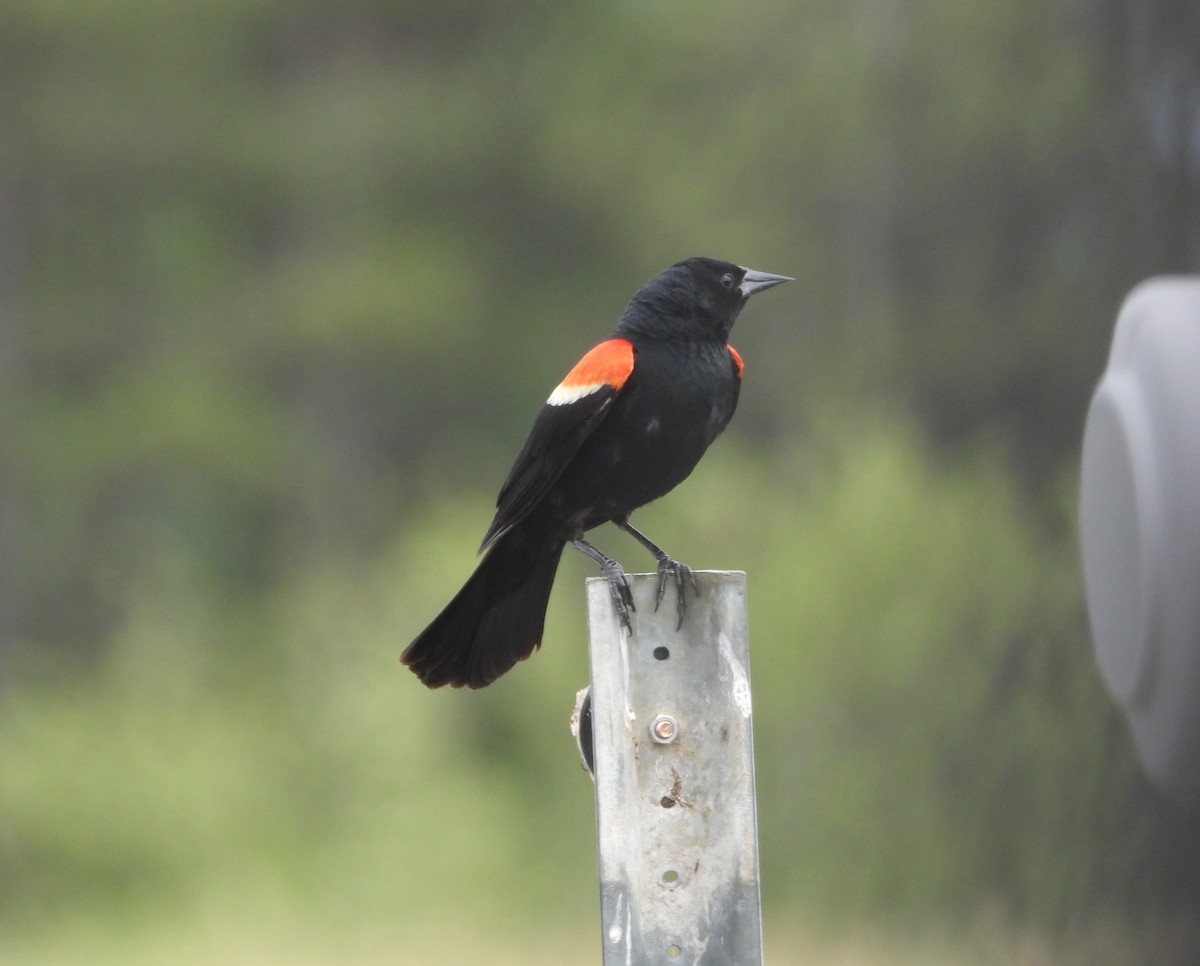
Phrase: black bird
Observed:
(625, 426)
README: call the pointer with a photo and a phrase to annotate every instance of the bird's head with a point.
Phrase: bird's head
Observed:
(696, 291)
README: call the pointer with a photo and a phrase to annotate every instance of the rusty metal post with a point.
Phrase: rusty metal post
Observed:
(674, 772)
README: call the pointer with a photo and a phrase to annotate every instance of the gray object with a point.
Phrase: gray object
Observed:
(1140, 526)
(674, 772)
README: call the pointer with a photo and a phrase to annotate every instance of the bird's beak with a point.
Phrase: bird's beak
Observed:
(754, 281)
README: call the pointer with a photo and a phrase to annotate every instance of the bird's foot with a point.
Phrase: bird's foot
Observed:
(671, 570)
(618, 588)
(618, 585)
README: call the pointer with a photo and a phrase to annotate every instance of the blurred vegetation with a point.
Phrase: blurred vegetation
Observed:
(281, 285)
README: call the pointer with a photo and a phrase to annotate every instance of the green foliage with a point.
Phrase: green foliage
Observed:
(948, 731)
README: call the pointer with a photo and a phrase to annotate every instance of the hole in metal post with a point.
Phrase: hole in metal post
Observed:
(661, 653)
(667, 802)
(670, 877)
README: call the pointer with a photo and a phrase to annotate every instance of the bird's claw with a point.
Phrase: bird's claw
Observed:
(681, 574)
(622, 596)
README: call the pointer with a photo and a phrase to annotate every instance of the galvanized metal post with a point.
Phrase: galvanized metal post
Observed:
(674, 771)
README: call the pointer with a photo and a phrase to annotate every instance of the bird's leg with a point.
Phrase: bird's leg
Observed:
(618, 586)
(668, 569)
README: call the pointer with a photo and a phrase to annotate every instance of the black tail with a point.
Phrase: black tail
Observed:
(496, 619)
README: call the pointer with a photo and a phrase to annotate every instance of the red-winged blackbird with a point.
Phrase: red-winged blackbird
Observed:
(625, 426)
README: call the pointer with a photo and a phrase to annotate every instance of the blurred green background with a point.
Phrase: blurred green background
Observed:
(281, 287)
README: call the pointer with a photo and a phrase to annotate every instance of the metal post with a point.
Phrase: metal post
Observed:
(674, 771)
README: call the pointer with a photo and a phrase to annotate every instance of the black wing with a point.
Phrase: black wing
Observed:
(570, 415)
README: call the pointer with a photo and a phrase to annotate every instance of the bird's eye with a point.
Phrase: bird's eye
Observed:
(727, 281)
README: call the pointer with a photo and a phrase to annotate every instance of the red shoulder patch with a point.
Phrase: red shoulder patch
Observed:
(607, 365)
(610, 362)
(737, 360)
